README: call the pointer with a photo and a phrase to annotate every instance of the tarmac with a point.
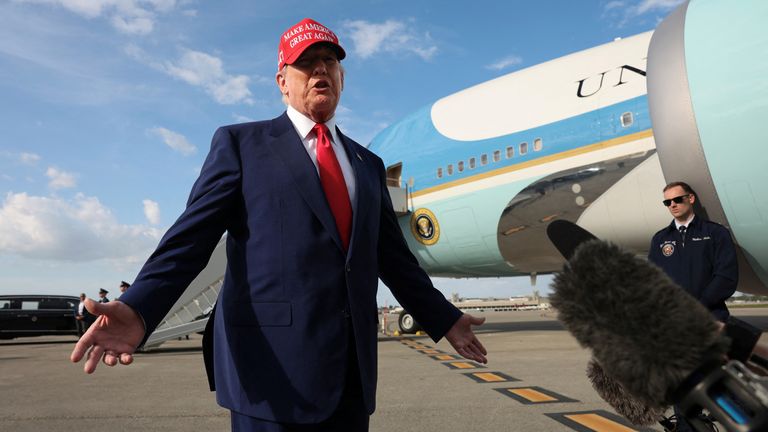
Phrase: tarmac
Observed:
(534, 381)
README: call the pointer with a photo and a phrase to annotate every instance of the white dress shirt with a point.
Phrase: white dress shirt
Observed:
(686, 223)
(303, 126)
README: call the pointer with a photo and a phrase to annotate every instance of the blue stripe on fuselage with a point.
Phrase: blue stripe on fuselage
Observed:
(416, 143)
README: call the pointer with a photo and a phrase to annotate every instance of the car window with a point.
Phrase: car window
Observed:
(55, 304)
(5, 304)
(29, 305)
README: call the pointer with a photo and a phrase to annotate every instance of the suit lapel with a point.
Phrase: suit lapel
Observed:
(288, 147)
(362, 186)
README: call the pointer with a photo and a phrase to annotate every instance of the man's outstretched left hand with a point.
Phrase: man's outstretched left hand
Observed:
(464, 340)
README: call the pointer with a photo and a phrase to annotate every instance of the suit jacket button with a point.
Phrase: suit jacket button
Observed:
(349, 268)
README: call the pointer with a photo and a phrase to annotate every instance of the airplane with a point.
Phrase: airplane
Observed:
(480, 173)
(591, 137)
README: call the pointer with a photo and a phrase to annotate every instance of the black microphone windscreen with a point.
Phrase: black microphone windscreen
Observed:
(643, 329)
(567, 236)
(611, 391)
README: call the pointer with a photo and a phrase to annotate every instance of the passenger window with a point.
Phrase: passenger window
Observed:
(626, 119)
(483, 159)
(5, 304)
(460, 166)
(523, 148)
(450, 169)
(440, 173)
(537, 144)
(497, 155)
(471, 163)
(510, 152)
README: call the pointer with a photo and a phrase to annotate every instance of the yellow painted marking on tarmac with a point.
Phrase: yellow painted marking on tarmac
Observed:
(532, 395)
(489, 377)
(444, 357)
(463, 365)
(598, 423)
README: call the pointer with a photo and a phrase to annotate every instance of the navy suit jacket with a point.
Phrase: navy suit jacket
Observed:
(292, 298)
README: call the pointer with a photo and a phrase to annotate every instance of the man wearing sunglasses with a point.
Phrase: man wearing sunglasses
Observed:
(697, 254)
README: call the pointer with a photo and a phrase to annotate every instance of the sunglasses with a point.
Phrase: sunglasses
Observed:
(677, 200)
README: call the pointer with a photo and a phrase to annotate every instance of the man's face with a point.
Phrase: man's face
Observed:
(313, 83)
(683, 210)
(123, 288)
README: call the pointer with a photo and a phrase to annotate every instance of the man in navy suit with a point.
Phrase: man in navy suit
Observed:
(310, 228)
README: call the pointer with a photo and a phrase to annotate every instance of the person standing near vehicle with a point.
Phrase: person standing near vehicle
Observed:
(123, 288)
(103, 296)
(83, 318)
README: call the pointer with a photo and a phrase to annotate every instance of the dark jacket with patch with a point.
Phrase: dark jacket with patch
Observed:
(704, 263)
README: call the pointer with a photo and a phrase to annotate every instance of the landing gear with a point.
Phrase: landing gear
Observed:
(407, 324)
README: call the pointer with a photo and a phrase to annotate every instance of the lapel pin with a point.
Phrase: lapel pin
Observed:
(359, 157)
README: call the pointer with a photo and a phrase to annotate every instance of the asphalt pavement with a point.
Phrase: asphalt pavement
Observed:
(534, 381)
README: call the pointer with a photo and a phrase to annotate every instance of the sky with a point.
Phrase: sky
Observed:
(107, 107)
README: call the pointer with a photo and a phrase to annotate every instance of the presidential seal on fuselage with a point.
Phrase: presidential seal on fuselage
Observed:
(424, 227)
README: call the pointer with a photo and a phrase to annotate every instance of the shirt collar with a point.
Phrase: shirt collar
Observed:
(686, 223)
(304, 124)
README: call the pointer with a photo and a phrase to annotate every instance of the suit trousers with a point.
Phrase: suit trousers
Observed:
(349, 416)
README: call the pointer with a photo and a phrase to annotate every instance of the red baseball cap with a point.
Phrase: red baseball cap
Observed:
(301, 36)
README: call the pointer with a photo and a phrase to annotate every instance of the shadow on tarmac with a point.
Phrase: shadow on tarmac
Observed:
(14, 342)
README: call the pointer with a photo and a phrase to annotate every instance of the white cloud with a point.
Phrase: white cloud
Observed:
(133, 25)
(152, 211)
(242, 119)
(390, 36)
(175, 140)
(206, 71)
(81, 229)
(646, 6)
(625, 10)
(126, 16)
(615, 4)
(29, 158)
(504, 63)
(60, 179)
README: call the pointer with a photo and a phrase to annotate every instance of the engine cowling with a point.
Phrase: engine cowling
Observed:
(708, 98)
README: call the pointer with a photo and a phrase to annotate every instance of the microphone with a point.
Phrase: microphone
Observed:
(644, 330)
(567, 236)
(624, 403)
(653, 344)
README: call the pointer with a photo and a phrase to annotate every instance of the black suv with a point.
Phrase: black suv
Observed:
(37, 315)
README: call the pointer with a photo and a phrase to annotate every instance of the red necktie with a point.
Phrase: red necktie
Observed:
(334, 186)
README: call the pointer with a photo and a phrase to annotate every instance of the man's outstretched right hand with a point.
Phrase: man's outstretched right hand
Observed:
(115, 334)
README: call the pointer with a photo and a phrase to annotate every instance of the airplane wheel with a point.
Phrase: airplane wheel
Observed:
(407, 324)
